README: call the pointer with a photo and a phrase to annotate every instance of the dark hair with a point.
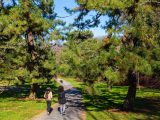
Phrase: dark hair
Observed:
(61, 81)
(60, 89)
(48, 89)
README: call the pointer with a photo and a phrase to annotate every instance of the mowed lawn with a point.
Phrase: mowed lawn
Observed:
(12, 109)
(15, 106)
(106, 105)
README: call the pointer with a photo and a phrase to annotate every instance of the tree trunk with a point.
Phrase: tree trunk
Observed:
(33, 91)
(128, 104)
(109, 87)
(1, 3)
(31, 50)
(30, 43)
(21, 79)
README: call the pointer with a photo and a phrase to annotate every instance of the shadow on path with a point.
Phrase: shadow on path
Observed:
(74, 105)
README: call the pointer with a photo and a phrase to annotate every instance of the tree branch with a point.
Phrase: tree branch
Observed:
(153, 3)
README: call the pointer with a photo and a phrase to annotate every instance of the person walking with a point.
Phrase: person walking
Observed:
(62, 99)
(48, 97)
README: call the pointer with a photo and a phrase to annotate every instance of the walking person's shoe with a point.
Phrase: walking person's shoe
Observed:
(64, 113)
(50, 110)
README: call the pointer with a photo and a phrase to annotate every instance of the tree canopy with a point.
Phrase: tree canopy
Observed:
(25, 26)
(133, 37)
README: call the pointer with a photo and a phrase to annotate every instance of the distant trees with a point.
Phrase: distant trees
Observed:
(81, 60)
(89, 61)
(80, 35)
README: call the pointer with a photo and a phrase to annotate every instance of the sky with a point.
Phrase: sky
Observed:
(59, 9)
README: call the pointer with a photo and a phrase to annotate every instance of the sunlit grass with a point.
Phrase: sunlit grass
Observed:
(15, 106)
(106, 105)
(12, 109)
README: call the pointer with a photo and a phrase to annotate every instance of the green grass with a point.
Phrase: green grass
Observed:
(12, 109)
(14, 106)
(106, 105)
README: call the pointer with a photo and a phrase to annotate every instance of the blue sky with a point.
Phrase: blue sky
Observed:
(59, 9)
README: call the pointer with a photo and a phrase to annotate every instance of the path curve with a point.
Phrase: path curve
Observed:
(75, 106)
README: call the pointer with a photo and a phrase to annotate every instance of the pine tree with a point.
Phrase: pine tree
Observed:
(138, 21)
(32, 20)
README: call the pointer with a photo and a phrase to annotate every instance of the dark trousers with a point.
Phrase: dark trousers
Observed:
(48, 106)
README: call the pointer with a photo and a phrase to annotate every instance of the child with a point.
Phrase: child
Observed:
(62, 99)
(48, 97)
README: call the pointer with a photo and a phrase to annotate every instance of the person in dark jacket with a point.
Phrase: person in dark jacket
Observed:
(62, 99)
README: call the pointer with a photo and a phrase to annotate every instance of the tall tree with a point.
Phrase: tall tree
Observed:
(138, 21)
(29, 19)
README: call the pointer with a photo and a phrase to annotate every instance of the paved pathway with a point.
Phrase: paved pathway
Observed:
(74, 110)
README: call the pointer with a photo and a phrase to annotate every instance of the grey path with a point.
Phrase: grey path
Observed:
(74, 104)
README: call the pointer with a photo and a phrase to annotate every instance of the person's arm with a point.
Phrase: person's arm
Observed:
(44, 95)
(51, 95)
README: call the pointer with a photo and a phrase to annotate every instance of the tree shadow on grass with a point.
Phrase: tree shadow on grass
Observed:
(148, 106)
(111, 102)
(24, 90)
(109, 115)
(105, 101)
(15, 91)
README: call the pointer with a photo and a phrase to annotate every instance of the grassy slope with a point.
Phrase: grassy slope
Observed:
(14, 107)
(104, 105)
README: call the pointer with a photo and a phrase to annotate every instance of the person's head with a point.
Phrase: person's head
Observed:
(60, 89)
(61, 81)
(48, 89)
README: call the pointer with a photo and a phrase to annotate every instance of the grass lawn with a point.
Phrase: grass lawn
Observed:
(14, 106)
(105, 105)
(12, 109)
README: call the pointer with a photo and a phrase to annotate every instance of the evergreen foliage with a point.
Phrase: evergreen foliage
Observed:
(137, 21)
(24, 29)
